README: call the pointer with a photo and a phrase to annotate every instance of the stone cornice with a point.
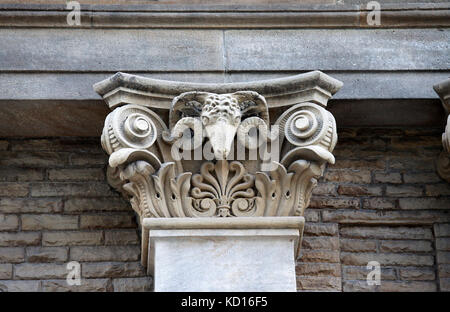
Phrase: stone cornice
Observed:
(226, 16)
(124, 88)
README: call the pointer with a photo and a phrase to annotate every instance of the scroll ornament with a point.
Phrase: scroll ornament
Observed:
(143, 167)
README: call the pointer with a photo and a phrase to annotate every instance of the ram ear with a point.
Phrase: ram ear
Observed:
(188, 104)
(251, 104)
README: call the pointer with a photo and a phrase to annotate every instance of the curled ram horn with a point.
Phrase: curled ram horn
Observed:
(188, 104)
(252, 141)
(178, 135)
(125, 156)
(253, 103)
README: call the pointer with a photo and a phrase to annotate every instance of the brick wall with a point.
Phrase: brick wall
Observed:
(55, 206)
(382, 201)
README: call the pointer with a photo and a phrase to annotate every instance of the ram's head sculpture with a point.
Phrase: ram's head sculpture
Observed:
(219, 117)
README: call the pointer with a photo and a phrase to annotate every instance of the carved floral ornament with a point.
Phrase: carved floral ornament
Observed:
(219, 155)
(443, 162)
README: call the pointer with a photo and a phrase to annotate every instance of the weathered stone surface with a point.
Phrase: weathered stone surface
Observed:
(40, 271)
(357, 245)
(40, 159)
(70, 189)
(76, 174)
(360, 273)
(139, 50)
(386, 259)
(383, 217)
(87, 285)
(404, 191)
(422, 274)
(6, 271)
(13, 189)
(19, 286)
(379, 203)
(421, 177)
(138, 284)
(121, 237)
(21, 174)
(442, 229)
(12, 254)
(319, 283)
(102, 253)
(357, 286)
(26, 205)
(19, 239)
(406, 246)
(319, 256)
(358, 190)
(391, 177)
(107, 221)
(444, 284)
(386, 232)
(72, 238)
(47, 254)
(112, 269)
(329, 202)
(318, 269)
(331, 243)
(49, 222)
(424, 203)
(391, 286)
(443, 257)
(8, 222)
(320, 229)
(443, 243)
(444, 270)
(286, 49)
(77, 205)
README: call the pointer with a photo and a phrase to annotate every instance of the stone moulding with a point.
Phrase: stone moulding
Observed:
(443, 162)
(219, 154)
(226, 16)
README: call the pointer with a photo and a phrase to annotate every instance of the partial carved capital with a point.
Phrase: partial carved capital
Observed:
(443, 162)
(221, 154)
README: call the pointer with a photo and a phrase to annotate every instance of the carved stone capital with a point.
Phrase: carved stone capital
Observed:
(222, 150)
(443, 162)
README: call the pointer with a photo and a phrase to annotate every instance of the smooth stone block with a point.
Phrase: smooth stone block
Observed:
(223, 259)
